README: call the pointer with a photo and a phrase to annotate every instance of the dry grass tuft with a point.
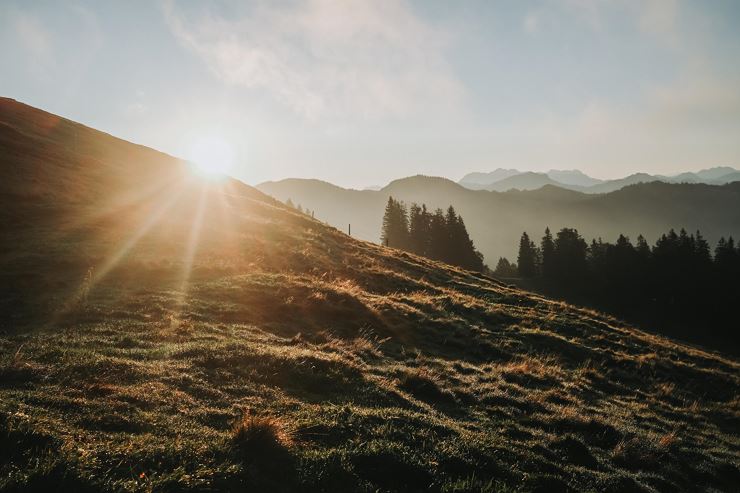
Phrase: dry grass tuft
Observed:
(260, 436)
(640, 454)
(665, 389)
(668, 441)
(424, 384)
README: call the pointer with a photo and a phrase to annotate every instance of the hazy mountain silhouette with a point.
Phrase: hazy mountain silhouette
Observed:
(523, 181)
(477, 181)
(727, 178)
(687, 177)
(495, 220)
(618, 184)
(503, 180)
(716, 173)
(573, 177)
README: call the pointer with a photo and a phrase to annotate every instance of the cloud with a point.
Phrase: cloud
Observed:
(328, 58)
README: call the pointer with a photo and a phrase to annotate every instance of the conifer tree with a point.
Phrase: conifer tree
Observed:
(418, 229)
(527, 259)
(395, 225)
(548, 249)
(504, 268)
(642, 248)
(597, 255)
(438, 236)
(725, 255)
(467, 256)
(454, 245)
(701, 249)
(569, 259)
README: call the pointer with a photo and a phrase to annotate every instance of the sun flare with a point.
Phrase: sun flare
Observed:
(212, 156)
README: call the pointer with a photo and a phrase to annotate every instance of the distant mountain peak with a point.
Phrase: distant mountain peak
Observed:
(479, 180)
(573, 177)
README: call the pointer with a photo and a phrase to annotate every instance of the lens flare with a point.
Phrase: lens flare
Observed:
(211, 156)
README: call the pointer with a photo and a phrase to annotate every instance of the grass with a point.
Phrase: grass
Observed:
(294, 358)
(147, 397)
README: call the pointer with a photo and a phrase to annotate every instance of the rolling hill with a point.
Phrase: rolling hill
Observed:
(496, 220)
(479, 181)
(522, 181)
(573, 177)
(165, 333)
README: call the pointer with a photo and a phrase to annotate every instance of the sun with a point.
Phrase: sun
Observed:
(212, 156)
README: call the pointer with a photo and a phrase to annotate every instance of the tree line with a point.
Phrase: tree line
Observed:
(678, 285)
(299, 208)
(438, 235)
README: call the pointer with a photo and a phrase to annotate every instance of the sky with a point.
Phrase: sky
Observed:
(359, 93)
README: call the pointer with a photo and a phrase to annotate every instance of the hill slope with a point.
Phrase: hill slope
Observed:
(523, 181)
(496, 220)
(479, 181)
(573, 177)
(204, 337)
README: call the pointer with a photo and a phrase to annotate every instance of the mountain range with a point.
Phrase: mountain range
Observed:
(495, 220)
(502, 180)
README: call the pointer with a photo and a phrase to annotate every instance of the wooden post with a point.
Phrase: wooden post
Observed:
(349, 229)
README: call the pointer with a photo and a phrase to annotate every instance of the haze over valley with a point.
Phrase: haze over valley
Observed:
(496, 219)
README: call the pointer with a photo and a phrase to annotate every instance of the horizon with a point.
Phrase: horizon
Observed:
(362, 93)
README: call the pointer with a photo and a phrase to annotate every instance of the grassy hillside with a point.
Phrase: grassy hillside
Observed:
(496, 220)
(200, 336)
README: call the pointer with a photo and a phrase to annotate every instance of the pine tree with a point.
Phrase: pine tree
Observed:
(438, 236)
(469, 257)
(597, 256)
(504, 268)
(395, 231)
(419, 229)
(454, 248)
(725, 254)
(548, 249)
(642, 248)
(701, 249)
(569, 259)
(527, 259)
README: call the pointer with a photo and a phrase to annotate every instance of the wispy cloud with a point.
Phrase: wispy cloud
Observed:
(328, 58)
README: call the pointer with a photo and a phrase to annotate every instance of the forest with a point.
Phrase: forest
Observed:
(679, 285)
(438, 235)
